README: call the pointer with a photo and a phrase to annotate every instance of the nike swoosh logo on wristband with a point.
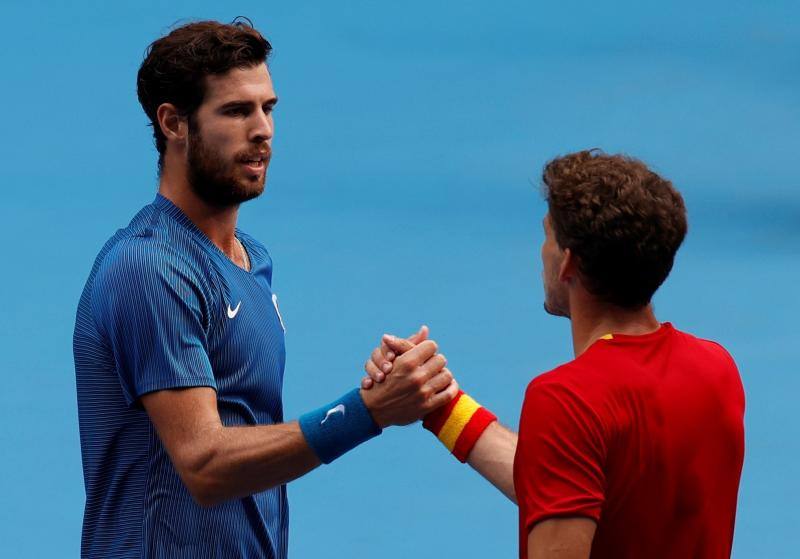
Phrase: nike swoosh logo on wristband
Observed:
(336, 409)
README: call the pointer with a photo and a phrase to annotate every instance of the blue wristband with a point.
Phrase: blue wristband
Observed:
(338, 427)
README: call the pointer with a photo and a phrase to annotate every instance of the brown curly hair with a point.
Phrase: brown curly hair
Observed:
(622, 221)
(175, 66)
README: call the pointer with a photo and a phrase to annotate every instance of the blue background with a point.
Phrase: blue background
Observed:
(404, 189)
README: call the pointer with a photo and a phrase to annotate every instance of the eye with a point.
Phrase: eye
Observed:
(237, 111)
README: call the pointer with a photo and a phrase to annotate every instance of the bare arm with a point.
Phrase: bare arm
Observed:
(561, 538)
(493, 458)
(217, 463)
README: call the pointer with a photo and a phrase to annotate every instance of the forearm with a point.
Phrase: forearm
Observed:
(493, 458)
(218, 463)
(473, 435)
(239, 461)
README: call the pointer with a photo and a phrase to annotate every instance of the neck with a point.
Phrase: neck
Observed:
(592, 321)
(218, 224)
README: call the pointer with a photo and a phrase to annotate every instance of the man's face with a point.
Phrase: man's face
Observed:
(230, 137)
(556, 298)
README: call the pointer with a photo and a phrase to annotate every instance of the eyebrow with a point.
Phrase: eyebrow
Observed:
(240, 103)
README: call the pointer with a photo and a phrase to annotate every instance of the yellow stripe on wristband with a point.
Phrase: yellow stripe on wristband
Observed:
(458, 419)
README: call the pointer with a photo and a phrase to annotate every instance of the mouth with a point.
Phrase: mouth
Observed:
(255, 163)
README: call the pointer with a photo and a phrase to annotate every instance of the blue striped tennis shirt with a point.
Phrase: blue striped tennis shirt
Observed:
(164, 308)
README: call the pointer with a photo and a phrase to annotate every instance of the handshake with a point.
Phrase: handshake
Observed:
(407, 380)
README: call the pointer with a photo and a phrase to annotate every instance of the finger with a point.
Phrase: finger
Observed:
(420, 336)
(388, 354)
(374, 373)
(420, 353)
(432, 366)
(381, 363)
(366, 383)
(397, 345)
(440, 380)
(442, 398)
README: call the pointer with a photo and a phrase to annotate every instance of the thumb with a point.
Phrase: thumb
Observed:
(398, 345)
(420, 336)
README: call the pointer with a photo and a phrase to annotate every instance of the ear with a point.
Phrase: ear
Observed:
(569, 266)
(174, 127)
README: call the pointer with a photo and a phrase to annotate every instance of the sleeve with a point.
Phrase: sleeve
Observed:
(153, 311)
(559, 467)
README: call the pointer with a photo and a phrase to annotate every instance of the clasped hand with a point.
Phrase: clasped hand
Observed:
(418, 384)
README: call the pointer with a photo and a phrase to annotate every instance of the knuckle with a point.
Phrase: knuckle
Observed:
(414, 361)
(447, 377)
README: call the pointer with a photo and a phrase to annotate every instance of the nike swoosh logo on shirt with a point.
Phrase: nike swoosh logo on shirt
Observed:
(336, 409)
(233, 312)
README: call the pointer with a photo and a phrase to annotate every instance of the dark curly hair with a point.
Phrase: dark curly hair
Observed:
(622, 221)
(175, 66)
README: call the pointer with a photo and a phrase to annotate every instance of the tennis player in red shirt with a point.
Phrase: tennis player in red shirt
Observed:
(634, 449)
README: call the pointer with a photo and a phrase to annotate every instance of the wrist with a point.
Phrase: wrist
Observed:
(368, 397)
(339, 426)
(459, 424)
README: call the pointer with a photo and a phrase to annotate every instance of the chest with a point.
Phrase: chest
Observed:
(246, 345)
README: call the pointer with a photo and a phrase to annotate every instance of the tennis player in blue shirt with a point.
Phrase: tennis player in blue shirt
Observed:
(179, 344)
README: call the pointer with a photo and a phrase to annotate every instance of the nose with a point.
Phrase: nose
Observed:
(263, 127)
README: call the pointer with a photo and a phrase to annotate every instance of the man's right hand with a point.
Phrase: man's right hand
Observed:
(419, 384)
(380, 362)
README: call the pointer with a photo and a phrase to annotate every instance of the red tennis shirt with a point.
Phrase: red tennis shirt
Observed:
(643, 434)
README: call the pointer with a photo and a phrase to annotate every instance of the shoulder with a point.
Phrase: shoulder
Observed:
(717, 369)
(148, 263)
(152, 247)
(140, 256)
(577, 392)
(569, 388)
(560, 410)
(705, 348)
(576, 376)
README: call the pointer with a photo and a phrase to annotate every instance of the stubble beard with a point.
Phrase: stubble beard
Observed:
(555, 311)
(214, 180)
(556, 302)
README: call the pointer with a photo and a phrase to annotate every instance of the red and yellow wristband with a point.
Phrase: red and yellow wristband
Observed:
(459, 424)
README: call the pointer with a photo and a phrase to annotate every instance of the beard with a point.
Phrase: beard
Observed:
(556, 301)
(214, 179)
(555, 310)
